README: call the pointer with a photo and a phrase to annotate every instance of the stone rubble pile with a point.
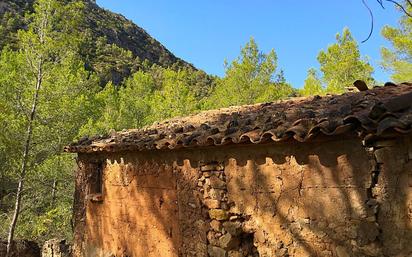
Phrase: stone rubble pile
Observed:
(56, 248)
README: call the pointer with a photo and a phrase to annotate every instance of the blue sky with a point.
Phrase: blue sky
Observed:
(206, 33)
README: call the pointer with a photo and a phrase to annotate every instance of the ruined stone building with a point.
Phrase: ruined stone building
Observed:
(318, 176)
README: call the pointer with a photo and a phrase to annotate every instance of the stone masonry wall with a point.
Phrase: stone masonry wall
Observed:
(330, 198)
(227, 235)
(335, 199)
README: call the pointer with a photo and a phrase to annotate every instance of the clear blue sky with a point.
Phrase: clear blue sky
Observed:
(206, 32)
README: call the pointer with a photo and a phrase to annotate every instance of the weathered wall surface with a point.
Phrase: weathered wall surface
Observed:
(331, 198)
(307, 200)
(149, 206)
(393, 194)
(136, 213)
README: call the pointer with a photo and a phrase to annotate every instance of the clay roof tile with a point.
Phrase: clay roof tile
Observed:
(373, 112)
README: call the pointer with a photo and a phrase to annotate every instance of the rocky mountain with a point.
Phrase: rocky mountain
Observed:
(103, 24)
(127, 35)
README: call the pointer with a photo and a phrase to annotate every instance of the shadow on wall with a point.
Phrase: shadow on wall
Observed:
(307, 201)
(137, 214)
(333, 198)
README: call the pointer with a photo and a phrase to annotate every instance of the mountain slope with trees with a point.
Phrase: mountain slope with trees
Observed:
(125, 45)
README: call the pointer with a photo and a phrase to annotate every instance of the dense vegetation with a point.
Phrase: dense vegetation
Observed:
(115, 46)
(61, 80)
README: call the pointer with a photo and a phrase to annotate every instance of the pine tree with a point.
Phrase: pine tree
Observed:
(341, 64)
(249, 79)
(399, 59)
(175, 98)
(313, 84)
(45, 90)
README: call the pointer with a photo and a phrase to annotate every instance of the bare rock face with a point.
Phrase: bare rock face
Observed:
(21, 248)
(56, 248)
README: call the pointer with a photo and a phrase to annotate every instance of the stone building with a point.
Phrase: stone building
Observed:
(319, 176)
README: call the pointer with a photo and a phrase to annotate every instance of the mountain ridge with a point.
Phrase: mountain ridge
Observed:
(112, 27)
(132, 37)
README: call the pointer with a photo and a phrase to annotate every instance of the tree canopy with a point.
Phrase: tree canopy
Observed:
(45, 91)
(312, 84)
(341, 64)
(249, 79)
(398, 59)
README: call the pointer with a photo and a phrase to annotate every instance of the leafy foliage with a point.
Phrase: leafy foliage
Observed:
(313, 84)
(399, 59)
(341, 64)
(145, 97)
(249, 79)
(47, 56)
(112, 46)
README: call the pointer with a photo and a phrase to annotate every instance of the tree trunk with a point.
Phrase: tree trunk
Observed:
(54, 191)
(2, 193)
(26, 152)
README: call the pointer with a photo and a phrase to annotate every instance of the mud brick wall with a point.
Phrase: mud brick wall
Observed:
(306, 200)
(226, 235)
(136, 213)
(392, 192)
(333, 198)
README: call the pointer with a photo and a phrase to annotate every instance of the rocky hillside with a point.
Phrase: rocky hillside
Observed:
(114, 28)
(125, 34)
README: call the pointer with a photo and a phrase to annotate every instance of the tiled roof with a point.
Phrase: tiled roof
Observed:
(369, 113)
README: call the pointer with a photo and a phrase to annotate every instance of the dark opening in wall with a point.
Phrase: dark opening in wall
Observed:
(96, 183)
(247, 247)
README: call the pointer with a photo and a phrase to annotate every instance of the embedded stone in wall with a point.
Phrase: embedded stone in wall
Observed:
(233, 228)
(212, 204)
(226, 236)
(229, 242)
(215, 251)
(218, 214)
(212, 166)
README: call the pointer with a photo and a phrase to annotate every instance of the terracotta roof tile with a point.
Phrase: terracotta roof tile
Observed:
(370, 113)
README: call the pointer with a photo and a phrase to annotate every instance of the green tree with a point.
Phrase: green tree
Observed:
(249, 79)
(399, 59)
(45, 92)
(313, 84)
(341, 64)
(175, 98)
(146, 97)
(9, 24)
(105, 115)
(111, 62)
(136, 95)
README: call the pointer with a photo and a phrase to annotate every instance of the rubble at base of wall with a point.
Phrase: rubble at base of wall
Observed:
(56, 248)
(22, 248)
(25, 248)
